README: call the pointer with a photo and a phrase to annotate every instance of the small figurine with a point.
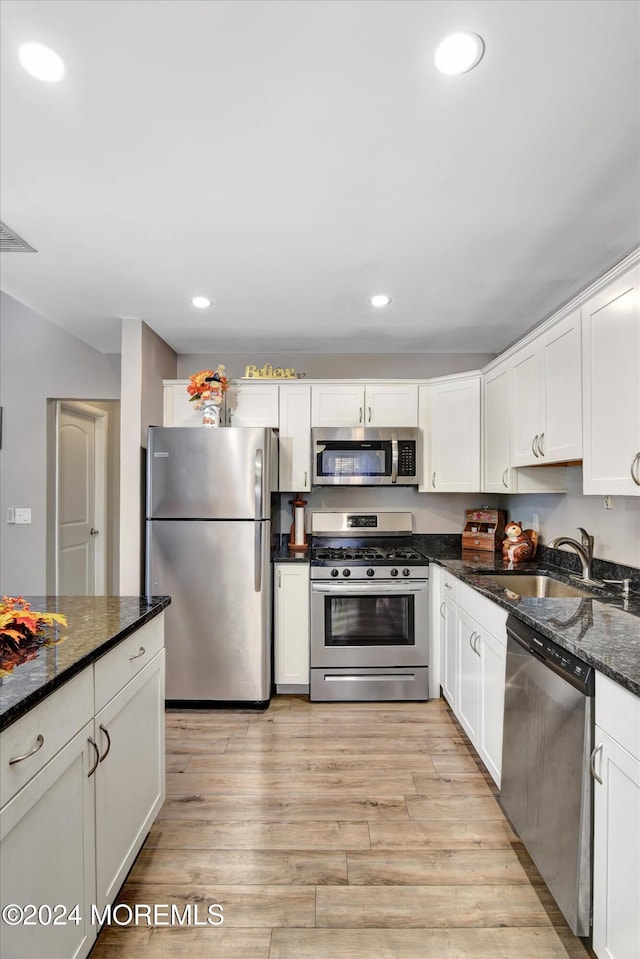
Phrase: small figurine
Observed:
(520, 545)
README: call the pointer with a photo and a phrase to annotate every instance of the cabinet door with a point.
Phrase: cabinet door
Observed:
(496, 430)
(391, 405)
(493, 661)
(616, 851)
(611, 388)
(47, 855)
(455, 436)
(337, 404)
(291, 624)
(526, 398)
(178, 410)
(130, 777)
(449, 651)
(561, 368)
(468, 639)
(294, 446)
(253, 405)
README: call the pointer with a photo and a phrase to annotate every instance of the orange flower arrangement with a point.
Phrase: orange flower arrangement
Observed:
(207, 386)
(23, 631)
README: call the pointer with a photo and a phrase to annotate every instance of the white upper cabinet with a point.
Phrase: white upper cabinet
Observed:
(496, 429)
(253, 405)
(611, 388)
(295, 438)
(353, 404)
(547, 396)
(178, 410)
(450, 419)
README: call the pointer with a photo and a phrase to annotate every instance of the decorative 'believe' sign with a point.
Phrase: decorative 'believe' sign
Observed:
(267, 372)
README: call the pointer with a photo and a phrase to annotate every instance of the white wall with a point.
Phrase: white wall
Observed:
(38, 361)
(340, 365)
(616, 531)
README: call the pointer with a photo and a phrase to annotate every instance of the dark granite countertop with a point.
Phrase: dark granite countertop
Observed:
(96, 625)
(286, 555)
(604, 630)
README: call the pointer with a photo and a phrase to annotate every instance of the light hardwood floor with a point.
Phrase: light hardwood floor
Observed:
(342, 831)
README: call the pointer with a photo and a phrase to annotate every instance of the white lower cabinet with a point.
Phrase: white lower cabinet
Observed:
(129, 731)
(616, 846)
(473, 657)
(47, 857)
(291, 625)
(74, 821)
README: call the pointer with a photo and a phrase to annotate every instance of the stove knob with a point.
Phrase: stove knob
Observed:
(371, 572)
(334, 572)
(346, 572)
(394, 572)
(406, 572)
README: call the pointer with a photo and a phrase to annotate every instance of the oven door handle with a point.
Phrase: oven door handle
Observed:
(388, 590)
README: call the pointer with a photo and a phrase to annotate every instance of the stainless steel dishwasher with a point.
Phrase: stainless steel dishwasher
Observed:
(546, 783)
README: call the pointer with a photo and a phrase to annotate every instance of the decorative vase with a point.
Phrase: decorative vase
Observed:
(210, 415)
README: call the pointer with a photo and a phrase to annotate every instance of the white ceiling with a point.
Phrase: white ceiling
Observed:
(289, 159)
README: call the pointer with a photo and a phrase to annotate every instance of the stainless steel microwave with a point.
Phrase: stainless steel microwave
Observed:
(362, 456)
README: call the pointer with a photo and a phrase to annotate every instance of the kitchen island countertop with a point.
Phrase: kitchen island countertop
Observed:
(96, 625)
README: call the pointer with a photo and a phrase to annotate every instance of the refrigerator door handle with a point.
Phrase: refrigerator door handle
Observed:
(258, 558)
(258, 486)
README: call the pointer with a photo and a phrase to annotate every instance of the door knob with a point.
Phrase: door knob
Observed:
(94, 532)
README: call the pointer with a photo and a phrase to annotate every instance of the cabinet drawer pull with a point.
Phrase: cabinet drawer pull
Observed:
(369, 414)
(95, 765)
(279, 579)
(39, 744)
(433, 480)
(360, 415)
(106, 752)
(504, 478)
(597, 749)
(442, 611)
(635, 476)
(139, 654)
(448, 586)
(305, 478)
(540, 449)
(533, 446)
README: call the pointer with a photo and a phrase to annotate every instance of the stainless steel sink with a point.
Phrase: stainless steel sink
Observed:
(543, 587)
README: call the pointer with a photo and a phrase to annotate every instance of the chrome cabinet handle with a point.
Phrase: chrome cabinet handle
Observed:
(540, 449)
(360, 415)
(279, 579)
(433, 480)
(95, 765)
(504, 478)
(533, 446)
(448, 586)
(138, 654)
(369, 414)
(635, 476)
(442, 610)
(597, 749)
(39, 744)
(471, 639)
(106, 752)
(305, 477)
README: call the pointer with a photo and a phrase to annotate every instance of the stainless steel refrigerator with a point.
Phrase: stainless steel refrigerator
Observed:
(208, 536)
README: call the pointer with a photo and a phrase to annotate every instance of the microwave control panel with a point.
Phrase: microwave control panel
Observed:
(406, 458)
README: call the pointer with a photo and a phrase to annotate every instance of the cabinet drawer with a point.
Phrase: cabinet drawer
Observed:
(122, 663)
(618, 713)
(449, 585)
(486, 613)
(56, 719)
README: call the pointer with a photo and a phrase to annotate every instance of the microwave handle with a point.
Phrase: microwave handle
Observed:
(394, 460)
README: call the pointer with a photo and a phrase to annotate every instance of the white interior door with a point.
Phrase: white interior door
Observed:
(80, 485)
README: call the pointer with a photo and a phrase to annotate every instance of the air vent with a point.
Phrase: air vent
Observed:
(10, 242)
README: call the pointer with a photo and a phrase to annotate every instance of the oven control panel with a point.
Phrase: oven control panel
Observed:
(370, 573)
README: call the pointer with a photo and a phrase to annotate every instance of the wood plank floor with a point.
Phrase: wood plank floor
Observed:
(346, 831)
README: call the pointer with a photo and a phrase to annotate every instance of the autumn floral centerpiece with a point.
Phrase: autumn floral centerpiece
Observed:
(23, 631)
(207, 386)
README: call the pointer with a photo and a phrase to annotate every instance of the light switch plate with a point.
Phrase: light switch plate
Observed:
(23, 515)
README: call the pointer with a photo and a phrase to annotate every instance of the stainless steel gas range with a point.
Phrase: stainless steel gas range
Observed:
(369, 609)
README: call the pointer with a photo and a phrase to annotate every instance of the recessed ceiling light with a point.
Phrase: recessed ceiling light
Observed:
(41, 62)
(201, 302)
(459, 52)
(380, 299)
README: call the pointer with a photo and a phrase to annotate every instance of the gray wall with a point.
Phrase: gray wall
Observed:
(159, 362)
(340, 365)
(38, 361)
